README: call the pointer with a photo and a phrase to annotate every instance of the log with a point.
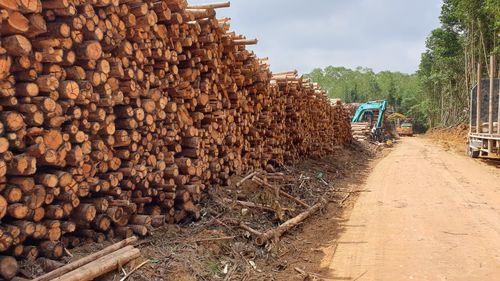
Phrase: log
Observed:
(3, 207)
(51, 249)
(83, 261)
(8, 267)
(101, 265)
(289, 224)
(90, 50)
(245, 42)
(30, 253)
(84, 213)
(17, 45)
(211, 6)
(9, 4)
(12, 120)
(16, 23)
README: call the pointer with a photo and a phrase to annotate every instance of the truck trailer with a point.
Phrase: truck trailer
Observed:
(484, 125)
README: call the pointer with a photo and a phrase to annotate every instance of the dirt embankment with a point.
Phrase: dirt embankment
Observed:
(454, 138)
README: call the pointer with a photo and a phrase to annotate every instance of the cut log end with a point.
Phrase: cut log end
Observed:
(8, 267)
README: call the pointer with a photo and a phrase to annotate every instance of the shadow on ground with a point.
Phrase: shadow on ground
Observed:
(314, 243)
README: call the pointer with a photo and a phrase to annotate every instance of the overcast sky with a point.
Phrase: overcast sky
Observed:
(306, 34)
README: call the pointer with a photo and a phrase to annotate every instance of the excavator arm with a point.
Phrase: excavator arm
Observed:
(377, 108)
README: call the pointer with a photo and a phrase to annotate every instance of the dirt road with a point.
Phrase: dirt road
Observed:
(430, 215)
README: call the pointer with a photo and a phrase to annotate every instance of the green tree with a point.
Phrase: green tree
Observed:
(448, 68)
(438, 93)
(363, 84)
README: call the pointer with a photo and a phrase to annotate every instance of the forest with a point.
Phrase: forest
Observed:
(437, 94)
(402, 91)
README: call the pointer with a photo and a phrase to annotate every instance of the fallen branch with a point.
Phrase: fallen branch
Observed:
(238, 184)
(249, 229)
(83, 261)
(289, 224)
(133, 270)
(281, 192)
(275, 176)
(249, 204)
(214, 239)
(345, 198)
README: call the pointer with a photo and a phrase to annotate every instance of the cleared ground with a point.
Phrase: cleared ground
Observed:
(429, 214)
(417, 211)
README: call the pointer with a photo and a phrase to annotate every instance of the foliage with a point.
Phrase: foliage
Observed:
(448, 68)
(438, 94)
(402, 91)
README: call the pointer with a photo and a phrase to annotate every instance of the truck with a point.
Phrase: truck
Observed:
(405, 129)
(403, 124)
(369, 119)
(484, 122)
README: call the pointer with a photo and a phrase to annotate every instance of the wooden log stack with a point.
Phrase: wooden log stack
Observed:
(115, 115)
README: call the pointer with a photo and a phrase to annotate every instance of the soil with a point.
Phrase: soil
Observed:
(450, 138)
(431, 214)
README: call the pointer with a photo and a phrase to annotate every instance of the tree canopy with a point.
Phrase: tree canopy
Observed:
(402, 91)
(438, 93)
(467, 36)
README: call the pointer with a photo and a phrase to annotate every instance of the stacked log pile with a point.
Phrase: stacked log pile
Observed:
(352, 107)
(361, 131)
(115, 115)
(314, 127)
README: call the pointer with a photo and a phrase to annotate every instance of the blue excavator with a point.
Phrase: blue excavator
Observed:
(370, 117)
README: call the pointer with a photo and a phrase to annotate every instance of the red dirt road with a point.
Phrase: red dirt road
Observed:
(430, 215)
